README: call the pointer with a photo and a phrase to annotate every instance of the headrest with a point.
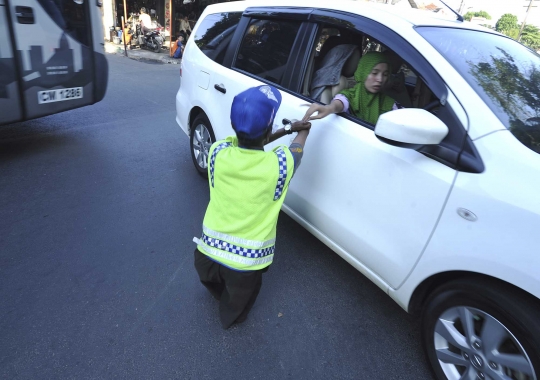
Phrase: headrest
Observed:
(329, 44)
(351, 64)
(395, 60)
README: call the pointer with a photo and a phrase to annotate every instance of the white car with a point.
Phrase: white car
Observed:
(438, 203)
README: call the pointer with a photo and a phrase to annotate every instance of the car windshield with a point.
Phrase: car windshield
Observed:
(503, 72)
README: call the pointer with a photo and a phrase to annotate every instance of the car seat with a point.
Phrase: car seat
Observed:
(328, 45)
(346, 79)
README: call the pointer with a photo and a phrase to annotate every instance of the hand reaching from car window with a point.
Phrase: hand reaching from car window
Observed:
(335, 106)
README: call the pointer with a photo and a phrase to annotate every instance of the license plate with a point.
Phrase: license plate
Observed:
(60, 95)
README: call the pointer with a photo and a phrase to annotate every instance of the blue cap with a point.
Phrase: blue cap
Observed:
(253, 111)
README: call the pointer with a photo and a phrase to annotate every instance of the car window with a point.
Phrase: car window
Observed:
(334, 75)
(412, 83)
(266, 47)
(214, 34)
(503, 72)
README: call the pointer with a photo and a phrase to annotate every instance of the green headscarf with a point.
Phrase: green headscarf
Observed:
(362, 103)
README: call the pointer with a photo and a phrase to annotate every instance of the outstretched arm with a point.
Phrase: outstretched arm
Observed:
(336, 106)
(297, 145)
(298, 126)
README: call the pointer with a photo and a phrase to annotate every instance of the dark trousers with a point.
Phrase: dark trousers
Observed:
(236, 291)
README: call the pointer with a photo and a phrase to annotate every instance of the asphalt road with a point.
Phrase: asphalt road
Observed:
(98, 208)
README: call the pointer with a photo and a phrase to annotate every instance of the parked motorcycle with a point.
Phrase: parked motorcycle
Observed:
(152, 40)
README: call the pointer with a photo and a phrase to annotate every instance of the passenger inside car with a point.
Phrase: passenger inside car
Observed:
(334, 63)
(365, 100)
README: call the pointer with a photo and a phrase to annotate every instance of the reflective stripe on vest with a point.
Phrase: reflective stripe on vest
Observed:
(213, 158)
(220, 245)
(282, 177)
(235, 257)
(238, 240)
(233, 248)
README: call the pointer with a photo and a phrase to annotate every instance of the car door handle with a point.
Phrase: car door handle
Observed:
(25, 15)
(220, 88)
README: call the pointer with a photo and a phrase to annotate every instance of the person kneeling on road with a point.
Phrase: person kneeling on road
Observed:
(247, 188)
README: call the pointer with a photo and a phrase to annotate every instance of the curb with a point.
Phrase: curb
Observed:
(140, 55)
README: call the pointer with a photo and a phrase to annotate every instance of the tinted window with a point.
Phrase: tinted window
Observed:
(266, 47)
(215, 32)
(504, 73)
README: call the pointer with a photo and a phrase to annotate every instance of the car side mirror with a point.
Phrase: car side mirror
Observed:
(410, 128)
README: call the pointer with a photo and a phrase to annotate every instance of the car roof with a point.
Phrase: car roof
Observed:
(386, 13)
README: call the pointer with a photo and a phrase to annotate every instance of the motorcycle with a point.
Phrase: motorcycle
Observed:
(152, 40)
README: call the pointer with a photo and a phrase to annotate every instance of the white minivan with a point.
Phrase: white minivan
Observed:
(438, 202)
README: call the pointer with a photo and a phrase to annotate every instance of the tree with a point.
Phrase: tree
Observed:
(469, 15)
(508, 24)
(531, 37)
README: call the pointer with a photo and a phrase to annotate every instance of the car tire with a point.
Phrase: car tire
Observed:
(481, 330)
(201, 139)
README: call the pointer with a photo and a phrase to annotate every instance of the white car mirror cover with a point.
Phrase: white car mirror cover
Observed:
(411, 126)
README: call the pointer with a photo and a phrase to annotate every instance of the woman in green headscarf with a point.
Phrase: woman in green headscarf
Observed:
(365, 99)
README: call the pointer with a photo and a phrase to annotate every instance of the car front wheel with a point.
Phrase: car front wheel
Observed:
(201, 139)
(476, 330)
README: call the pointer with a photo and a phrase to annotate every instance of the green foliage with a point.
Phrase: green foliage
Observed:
(513, 33)
(483, 14)
(531, 37)
(508, 24)
(469, 15)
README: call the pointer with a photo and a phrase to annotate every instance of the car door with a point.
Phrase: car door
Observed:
(10, 102)
(216, 84)
(261, 51)
(373, 203)
(53, 43)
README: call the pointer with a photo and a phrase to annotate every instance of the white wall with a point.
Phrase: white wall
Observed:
(108, 19)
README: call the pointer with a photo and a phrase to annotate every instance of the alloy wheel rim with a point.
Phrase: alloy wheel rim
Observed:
(473, 345)
(201, 145)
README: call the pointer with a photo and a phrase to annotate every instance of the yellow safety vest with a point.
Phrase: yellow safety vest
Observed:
(247, 189)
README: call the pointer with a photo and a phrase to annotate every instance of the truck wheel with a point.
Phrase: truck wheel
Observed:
(201, 139)
(482, 330)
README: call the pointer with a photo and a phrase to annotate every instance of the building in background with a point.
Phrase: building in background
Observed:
(165, 12)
